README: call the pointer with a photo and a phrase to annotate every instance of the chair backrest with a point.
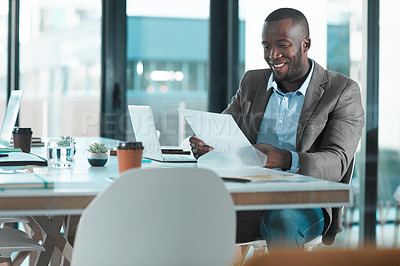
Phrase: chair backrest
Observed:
(160, 216)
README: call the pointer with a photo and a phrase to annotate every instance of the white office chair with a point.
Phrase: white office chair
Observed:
(167, 216)
(11, 219)
(14, 240)
(245, 251)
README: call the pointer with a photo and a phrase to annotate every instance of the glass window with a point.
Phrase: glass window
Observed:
(167, 60)
(336, 44)
(60, 67)
(3, 56)
(389, 117)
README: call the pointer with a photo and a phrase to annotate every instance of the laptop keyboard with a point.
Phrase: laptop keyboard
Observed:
(178, 157)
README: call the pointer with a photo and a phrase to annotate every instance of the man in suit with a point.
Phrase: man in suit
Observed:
(306, 119)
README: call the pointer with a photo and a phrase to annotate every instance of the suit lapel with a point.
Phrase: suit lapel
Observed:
(314, 93)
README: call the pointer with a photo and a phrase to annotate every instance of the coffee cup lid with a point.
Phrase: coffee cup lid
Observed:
(22, 130)
(130, 146)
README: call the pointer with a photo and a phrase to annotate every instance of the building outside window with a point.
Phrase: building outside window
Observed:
(167, 61)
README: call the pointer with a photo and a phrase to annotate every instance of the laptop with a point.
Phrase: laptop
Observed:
(10, 118)
(145, 131)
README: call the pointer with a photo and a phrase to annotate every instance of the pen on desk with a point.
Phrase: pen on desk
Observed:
(237, 180)
(3, 154)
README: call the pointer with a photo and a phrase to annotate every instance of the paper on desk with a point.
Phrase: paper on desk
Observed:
(220, 131)
(291, 178)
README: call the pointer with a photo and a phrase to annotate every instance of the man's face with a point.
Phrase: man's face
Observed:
(285, 50)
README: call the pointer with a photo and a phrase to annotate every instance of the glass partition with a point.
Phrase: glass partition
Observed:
(389, 126)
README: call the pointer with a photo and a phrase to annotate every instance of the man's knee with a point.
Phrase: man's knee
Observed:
(279, 222)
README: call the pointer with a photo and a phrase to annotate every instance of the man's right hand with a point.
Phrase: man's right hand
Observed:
(199, 147)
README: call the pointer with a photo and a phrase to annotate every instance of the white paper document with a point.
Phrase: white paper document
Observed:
(220, 131)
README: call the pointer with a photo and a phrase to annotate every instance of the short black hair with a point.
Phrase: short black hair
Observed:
(295, 15)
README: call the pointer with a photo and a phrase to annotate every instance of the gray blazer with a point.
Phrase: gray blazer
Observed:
(328, 132)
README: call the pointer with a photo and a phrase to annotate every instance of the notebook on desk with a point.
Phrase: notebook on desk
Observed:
(21, 159)
(10, 118)
(36, 142)
(24, 181)
(145, 131)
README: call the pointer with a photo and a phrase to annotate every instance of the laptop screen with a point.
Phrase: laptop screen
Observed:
(145, 130)
(10, 117)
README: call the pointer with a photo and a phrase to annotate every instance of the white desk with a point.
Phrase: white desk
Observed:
(75, 188)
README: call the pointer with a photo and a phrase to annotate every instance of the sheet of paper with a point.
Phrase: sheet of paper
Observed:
(220, 131)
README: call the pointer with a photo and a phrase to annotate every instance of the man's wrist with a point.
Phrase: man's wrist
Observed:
(287, 160)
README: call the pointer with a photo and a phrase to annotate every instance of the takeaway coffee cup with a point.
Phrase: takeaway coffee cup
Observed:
(129, 155)
(22, 137)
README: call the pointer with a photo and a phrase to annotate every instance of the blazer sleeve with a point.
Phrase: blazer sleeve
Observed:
(331, 140)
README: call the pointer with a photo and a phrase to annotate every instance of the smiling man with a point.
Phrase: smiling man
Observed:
(306, 119)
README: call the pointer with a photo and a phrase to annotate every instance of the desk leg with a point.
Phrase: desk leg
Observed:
(51, 226)
(70, 226)
(37, 234)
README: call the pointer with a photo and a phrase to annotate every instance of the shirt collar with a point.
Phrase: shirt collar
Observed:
(303, 88)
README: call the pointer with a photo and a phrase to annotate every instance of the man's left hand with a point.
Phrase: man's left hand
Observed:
(276, 158)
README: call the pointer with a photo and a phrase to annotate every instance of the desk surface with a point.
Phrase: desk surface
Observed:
(74, 188)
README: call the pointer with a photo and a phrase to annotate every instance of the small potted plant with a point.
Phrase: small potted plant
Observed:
(98, 154)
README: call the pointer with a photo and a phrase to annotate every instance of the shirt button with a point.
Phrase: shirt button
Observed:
(285, 98)
(280, 143)
(280, 121)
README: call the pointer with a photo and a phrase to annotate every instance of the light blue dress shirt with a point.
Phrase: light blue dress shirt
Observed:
(279, 124)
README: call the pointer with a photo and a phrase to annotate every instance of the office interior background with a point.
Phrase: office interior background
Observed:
(80, 63)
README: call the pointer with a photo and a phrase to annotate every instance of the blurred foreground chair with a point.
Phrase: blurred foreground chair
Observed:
(362, 257)
(160, 216)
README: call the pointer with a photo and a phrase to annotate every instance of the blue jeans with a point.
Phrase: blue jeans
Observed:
(291, 228)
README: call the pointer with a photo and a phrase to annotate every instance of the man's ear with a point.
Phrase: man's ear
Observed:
(307, 44)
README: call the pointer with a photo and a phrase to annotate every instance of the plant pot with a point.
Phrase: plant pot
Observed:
(97, 159)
